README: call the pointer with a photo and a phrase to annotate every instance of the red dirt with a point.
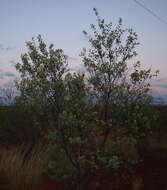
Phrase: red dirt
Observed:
(54, 185)
(153, 172)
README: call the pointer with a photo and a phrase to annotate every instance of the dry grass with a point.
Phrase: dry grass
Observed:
(18, 173)
(137, 183)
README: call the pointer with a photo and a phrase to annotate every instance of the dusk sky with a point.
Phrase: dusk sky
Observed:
(61, 22)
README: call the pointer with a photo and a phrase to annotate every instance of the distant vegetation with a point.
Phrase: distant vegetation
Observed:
(88, 121)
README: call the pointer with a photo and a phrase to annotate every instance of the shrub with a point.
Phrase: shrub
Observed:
(68, 101)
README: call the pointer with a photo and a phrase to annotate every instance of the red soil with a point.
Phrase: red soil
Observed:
(103, 180)
(153, 172)
(54, 185)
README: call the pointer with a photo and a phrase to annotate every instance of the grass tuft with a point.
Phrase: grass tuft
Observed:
(21, 171)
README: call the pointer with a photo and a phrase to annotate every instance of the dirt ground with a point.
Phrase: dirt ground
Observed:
(151, 174)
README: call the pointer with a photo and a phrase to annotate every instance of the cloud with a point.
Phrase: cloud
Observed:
(159, 85)
(6, 74)
(5, 48)
(13, 62)
(1, 47)
(8, 84)
(81, 70)
(158, 91)
(159, 82)
(77, 68)
(73, 58)
(158, 88)
(9, 74)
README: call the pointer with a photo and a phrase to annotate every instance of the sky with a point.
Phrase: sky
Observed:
(61, 22)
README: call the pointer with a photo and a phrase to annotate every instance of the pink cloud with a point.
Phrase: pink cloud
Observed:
(159, 81)
(158, 91)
